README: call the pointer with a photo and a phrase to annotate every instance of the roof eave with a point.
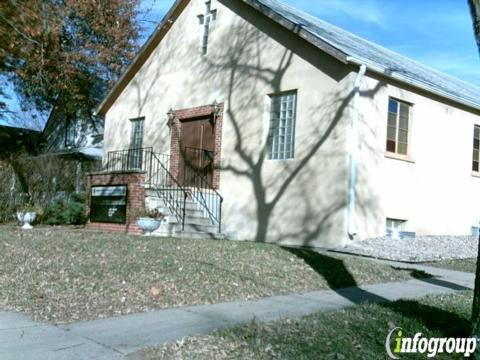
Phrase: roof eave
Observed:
(412, 82)
(298, 30)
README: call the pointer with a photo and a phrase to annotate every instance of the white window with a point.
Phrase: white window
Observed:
(136, 140)
(281, 134)
(476, 148)
(398, 126)
(135, 158)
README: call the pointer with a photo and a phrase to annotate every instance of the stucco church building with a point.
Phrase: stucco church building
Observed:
(254, 120)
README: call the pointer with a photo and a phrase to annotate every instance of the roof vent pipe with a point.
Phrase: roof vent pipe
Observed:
(353, 140)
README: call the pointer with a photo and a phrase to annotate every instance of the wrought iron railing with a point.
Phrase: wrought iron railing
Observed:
(197, 177)
(158, 174)
(195, 181)
(165, 184)
(130, 159)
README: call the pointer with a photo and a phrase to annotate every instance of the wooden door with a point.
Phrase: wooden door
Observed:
(197, 145)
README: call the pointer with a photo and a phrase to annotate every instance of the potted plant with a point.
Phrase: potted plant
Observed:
(26, 215)
(148, 220)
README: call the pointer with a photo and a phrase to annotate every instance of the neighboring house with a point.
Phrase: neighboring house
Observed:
(15, 143)
(312, 135)
(74, 139)
(14, 140)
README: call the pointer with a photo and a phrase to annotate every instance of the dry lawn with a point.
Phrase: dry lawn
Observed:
(71, 275)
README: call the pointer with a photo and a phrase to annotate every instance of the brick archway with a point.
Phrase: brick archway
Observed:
(175, 147)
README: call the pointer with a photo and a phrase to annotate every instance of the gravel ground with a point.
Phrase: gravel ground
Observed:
(419, 249)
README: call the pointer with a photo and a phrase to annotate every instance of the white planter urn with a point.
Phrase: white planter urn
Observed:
(26, 217)
(148, 225)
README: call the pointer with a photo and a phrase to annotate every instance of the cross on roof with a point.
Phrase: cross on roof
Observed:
(206, 20)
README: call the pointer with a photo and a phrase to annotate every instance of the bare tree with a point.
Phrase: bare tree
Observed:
(64, 54)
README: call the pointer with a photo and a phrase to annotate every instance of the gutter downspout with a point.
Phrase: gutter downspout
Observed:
(352, 154)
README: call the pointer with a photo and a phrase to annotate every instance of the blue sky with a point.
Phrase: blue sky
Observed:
(437, 33)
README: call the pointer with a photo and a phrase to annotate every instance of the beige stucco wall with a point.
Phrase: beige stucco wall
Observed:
(434, 191)
(245, 64)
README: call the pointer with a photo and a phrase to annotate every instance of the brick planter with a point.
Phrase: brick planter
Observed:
(135, 198)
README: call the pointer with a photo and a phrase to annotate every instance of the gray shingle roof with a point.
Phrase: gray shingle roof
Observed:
(375, 56)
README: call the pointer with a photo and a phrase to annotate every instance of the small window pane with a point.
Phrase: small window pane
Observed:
(391, 145)
(404, 110)
(475, 166)
(402, 148)
(403, 123)
(393, 106)
(402, 136)
(391, 133)
(392, 119)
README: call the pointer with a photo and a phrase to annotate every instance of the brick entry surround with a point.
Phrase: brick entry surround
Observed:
(135, 197)
(191, 113)
(135, 180)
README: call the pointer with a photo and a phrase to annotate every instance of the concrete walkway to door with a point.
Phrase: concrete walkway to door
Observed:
(116, 338)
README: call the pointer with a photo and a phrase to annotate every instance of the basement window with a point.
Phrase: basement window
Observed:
(395, 225)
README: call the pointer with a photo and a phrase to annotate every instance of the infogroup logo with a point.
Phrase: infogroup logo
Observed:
(429, 346)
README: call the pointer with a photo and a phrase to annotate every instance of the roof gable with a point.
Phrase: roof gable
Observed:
(342, 45)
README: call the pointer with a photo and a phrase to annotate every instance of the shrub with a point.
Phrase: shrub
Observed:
(66, 211)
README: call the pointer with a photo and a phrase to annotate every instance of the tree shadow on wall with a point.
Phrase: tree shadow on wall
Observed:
(243, 71)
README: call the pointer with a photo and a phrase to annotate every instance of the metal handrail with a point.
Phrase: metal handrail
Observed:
(203, 191)
(129, 159)
(162, 180)
(176, 203)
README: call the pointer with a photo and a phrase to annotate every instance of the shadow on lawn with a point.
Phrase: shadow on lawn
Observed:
(341, 281)
(448, 323)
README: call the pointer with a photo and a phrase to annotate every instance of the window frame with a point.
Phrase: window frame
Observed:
(70, 124)
(395, 154)
(133, 123)
(135, 154)
(269, 144)
(476, 172)
(399, 225)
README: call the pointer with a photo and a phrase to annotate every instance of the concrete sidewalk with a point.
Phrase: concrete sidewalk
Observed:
(117, 337)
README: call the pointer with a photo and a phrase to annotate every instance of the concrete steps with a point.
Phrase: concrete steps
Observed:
(198, 224)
